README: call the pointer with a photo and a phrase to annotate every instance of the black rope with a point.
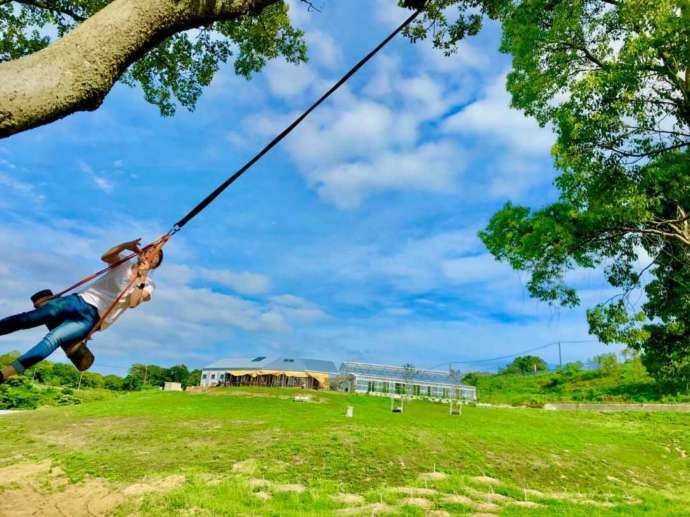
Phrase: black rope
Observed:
(218, 191)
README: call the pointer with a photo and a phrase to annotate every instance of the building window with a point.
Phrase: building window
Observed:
(371, 386)
(428, 391)
(417, 389)
(204, 376)
(384, 387)
(213, 376)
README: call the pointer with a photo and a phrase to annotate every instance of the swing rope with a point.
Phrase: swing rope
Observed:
(418, 5)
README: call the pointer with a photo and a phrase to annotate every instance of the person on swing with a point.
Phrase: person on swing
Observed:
(71, 318)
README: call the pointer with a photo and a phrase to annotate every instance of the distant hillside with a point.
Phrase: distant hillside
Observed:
(626, 382)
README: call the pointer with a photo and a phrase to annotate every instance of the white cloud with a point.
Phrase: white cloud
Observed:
(428, 168)
(385, 136)
(467, 58)
(17, 191)
(475, 269)
(243, 282)
(288, 79)
(354, 130)
(492, 117)
(294, 307)
(415, 265)
(514, 175)
(323, 50)
(101, 182)
(390, 13)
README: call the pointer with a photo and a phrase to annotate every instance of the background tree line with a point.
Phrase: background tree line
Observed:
(604, 378)
(138, 377)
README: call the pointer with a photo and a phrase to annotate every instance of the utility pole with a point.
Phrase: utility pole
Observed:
(560, 356)
(81, 375)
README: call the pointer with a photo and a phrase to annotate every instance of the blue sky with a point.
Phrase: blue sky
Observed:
(356, 239)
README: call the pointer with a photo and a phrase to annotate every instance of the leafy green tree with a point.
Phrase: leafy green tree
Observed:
(92, 380)
(155, 375)
(178, 373)
(607, 363)
(138, 370)
(612, 78)
(8, 358)
(194, 378)
(113, 382)
(62, 375)
(571, 369)
(525, 364)
(132, 383)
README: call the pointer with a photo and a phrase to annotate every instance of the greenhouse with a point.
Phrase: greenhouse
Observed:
(400, 380)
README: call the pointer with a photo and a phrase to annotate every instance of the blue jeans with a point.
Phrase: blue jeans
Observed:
(71, 317)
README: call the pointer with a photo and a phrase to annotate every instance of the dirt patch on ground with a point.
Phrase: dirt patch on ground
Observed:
(471, 503)
(348, 499)
(486, 480)
(370, 509)
(22, 471)
(486, 507)
(534, 493)
(33, 489)
(160, 485)
(491, 497)
(459, 499)
(259, 483)
(294, 487)
(526, 504)
(246, 467)
(438, 513)
(419, 502)
(414, 491)
(433, 476)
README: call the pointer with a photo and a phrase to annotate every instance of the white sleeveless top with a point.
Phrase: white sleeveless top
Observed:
(103, 292)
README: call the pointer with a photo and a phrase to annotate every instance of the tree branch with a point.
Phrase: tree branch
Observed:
(591, 57)
(77, 71)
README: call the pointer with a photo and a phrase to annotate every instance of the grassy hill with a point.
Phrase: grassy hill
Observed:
(627, 382)
(258, 452)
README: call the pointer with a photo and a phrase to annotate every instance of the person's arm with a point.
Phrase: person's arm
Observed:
(141, 293)
(113, 254)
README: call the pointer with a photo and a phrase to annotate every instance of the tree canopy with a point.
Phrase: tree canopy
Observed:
(525, 364)
(612, 78)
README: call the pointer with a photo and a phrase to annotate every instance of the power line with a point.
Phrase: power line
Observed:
(516, 354)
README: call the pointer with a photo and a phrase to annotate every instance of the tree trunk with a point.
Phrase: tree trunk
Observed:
(76, 72)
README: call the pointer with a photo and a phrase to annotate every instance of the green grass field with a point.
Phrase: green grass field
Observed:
(258, 452)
